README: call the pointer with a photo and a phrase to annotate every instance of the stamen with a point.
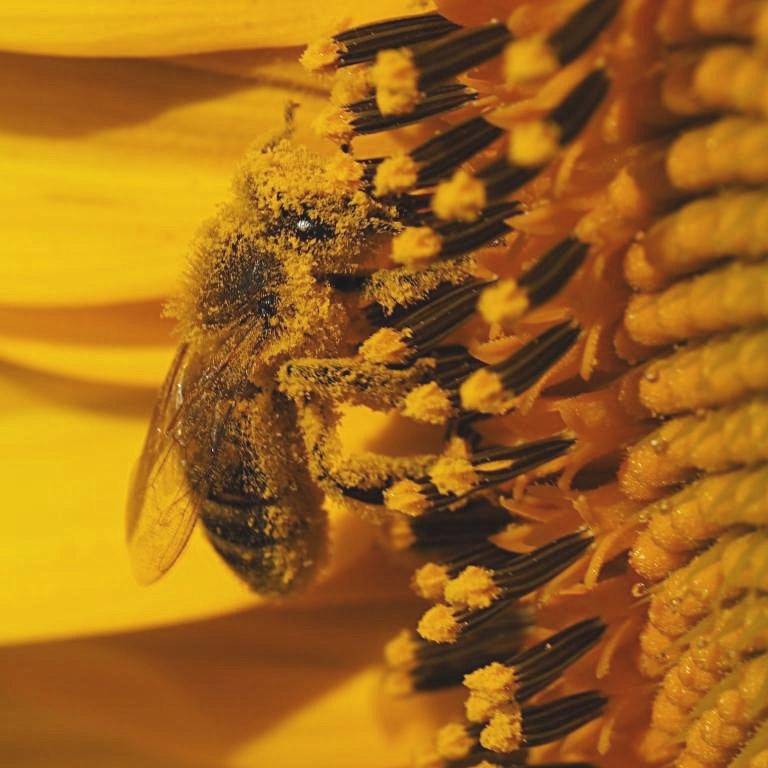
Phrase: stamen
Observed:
(516, 728)
(365, 117)
(425, 326)
(448, 529)
(533, 57)
(445, 624)
(450, 239)
(531, 147)
(494, 465)
(361, 44)
(400, 76)
(530, 671)
(495, 388)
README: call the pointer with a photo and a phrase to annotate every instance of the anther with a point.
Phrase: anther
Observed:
(361, 44)
(402, 75)
(494, 389)
(531, 146)
(534, 57)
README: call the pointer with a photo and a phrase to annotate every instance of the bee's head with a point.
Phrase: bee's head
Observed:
(266, 255)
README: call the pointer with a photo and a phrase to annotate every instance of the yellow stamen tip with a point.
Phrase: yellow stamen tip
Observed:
(479, 708)
(320, 54)
(529, 59)
(386, 346)
(451, 474)
(416, 246)
(484, 391)
(439, 625)
(495, 680)
(405, 496)
(534, 143)
(396, 81)
(473, 588)
(350, 84)
(503, 303)
(453, 742)
(343, 169)
(400, 651)
(461, 198)
(395, 174)
(429, 581)
(428, 403)
(333, 124)
(504, 732)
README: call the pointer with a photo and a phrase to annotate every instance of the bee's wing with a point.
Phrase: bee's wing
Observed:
(162, 508)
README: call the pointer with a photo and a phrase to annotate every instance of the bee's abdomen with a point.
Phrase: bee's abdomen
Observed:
(274, 547)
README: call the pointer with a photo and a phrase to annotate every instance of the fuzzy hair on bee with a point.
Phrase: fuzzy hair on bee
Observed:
(271, 317)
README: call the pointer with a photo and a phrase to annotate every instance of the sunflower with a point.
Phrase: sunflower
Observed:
(601, 595)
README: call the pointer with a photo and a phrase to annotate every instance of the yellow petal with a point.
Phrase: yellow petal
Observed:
(67, 451)
(167, 27)
(111, 166)
(273, 686)
(128, 344)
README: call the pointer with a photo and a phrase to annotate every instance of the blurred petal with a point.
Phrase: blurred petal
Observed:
(127, 344)
(66, 451)
(279, 687)
(111, 166)
(166, 27)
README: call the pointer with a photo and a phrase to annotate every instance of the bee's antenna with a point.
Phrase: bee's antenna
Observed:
(289, 126)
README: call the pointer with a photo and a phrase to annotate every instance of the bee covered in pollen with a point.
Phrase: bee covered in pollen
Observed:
(288, 311)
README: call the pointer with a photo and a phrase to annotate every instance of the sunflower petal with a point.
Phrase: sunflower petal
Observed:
(111, 166)
(168, 27)
(67, 451)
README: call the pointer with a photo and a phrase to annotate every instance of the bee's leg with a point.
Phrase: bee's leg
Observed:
(411, 485)
(352, 380)
(359, 477)
(316, 386)
(390, 289)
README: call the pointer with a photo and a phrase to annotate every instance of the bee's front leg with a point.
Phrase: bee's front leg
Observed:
(351, 380)
(316, 386)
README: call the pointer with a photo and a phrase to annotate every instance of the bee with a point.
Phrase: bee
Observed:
(270, 320)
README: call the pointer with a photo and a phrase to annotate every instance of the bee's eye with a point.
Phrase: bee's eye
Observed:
(307, 228)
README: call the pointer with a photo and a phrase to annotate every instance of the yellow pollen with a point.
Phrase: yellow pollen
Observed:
(320, 54)
(428, 403)
(350, 84)
(461, 198)
(484, 391)
(398, 684)
(473, 588)
(529, 59)
(333, 123)
(385, 346)
(405, 496)
(416, 246)
(533, 144)
(485, 764)
(479, 708)
(505, 731)
(396, 81)
(400, 534)
(453, 741)
(496, 681)
(395, 174)
(343, 169)
(400, 651)
(453, 475)
(503, 303)
(439, 625)
(429, 581)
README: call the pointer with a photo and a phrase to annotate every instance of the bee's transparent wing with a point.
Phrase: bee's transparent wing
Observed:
(162, 508)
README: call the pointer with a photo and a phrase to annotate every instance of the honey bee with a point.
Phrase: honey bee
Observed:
(270, 320)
